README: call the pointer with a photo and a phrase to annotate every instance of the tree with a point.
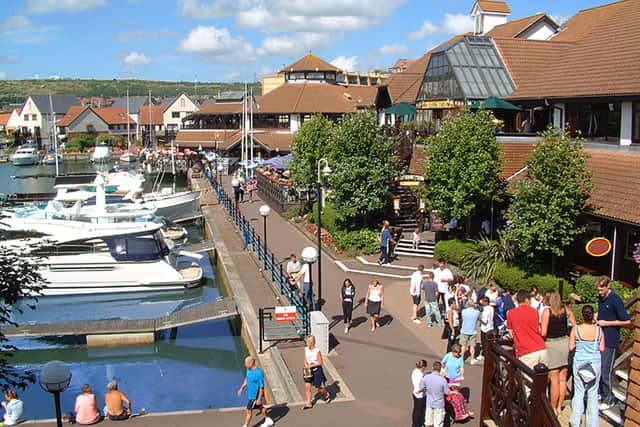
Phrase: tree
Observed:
(463, 166)
(364, 165)
(308, 147)
(20, 279)
(481, 262)
(548, 200)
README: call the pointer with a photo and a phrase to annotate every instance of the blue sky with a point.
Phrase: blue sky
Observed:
(227, 40)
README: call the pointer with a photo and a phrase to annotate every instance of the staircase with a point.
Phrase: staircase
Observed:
(621, 367)
(406, 218)
(425, 249)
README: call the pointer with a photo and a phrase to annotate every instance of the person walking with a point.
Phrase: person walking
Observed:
(419, 401)
(415, 238)
(235, 186)
(469, 331)
(611, 317)
(314, 375)
(415, 290)
(374, 302)
(555, 330)
(386, 239)
(254, 383)
(86, 407)
(436, 388)
(431, 310)
(442, 276)
(117, 403)
(453, 324)
(347, 295)
(13, 409)
(524, 326)
(304, 275)
(588, 341)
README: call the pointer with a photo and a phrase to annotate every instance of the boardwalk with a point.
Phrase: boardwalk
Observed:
(225, 307)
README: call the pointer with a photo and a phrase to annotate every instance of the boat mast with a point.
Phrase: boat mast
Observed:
(150, 126)
(53, 131)
(128, 124)
(251, 130)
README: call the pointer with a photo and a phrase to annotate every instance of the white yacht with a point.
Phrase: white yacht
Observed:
(101, 261)
(25, 155)
(50, 159)
(102, 153)
(128, 157)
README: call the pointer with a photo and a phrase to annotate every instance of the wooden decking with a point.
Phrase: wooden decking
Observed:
(225, 307)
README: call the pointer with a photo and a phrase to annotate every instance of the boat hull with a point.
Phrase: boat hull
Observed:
(175, 206)
(25, 161)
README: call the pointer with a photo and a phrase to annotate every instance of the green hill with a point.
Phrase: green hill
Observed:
(15, 91)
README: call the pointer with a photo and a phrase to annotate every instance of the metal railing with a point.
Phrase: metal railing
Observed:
(278, 196)
(272, 269)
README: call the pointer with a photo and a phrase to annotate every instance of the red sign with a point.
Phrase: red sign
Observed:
(286, 313)
(598, 246)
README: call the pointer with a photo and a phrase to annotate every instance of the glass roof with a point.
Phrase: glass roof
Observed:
(469, 68)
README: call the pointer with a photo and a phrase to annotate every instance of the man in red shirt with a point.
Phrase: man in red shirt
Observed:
(523, 323)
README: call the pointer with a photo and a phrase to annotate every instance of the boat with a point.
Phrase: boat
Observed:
(25, 155)
(128, 157)
(101, 262)
(102, 153)
(50, 159)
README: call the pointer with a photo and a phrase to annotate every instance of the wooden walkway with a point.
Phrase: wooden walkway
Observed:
(222, 308)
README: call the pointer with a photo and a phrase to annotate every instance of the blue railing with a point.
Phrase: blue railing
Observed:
(271, 267)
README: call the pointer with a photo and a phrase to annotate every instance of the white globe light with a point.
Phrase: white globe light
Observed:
(264, 210)
(220, 168)
(309, 254)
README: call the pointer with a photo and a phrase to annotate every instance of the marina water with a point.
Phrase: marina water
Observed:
(192, 367)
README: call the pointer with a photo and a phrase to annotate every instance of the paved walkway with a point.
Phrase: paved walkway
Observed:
(374, 365)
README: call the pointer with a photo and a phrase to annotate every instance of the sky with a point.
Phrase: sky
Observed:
(228, 40)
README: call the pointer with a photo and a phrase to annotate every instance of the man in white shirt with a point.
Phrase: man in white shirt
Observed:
(486, 323)
(442, 276)
(415, 290)
(305, 275)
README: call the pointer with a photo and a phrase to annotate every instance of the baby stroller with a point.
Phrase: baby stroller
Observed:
(501, 327)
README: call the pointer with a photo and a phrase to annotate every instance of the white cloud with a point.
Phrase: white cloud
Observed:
(427, 29)
(559, 19)
(143, 35)
(348, 63)
(394, 49)
(43, 6)
(265, 71)
(213, 9)
(457, 23)
(3, 75)
(295, 44)
(14, 23)
(214, 43)
(136, 58)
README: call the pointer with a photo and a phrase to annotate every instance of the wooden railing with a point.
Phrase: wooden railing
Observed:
(276, 195)
(513, 394)
(628, 338)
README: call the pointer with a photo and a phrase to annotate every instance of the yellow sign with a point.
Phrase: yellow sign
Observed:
(427, 105)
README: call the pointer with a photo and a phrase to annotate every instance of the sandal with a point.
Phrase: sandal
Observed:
(305, 407)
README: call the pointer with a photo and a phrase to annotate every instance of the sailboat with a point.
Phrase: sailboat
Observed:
(128, 156)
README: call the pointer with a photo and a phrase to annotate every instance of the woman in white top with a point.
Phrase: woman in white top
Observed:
(313, 362)
(374, 302)
(419, 401)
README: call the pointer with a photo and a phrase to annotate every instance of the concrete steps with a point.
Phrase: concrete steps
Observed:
(425, 249)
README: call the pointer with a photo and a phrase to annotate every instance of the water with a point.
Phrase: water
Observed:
(198, 367)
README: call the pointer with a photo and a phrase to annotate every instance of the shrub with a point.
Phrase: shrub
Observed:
(358, 242)
(293, 212)
(73, 145)
(453, 251)
(329, 215)
(83, 141)
(516, 278)
(586, 288)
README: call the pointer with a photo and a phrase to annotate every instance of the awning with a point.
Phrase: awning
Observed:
(401, 109)
(280, 162)
(494, 103)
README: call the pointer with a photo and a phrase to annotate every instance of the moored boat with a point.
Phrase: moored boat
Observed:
(25, 155)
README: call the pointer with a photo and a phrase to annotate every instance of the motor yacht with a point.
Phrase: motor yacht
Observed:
(25, 155)
(102, 153)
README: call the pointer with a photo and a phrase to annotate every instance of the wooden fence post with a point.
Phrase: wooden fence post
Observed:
(538, 391)
(487, 375)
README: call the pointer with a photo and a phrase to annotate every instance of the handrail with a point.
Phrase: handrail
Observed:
(626, 343)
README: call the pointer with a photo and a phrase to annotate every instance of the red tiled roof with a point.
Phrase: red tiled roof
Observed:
(403, 63)
(221, 108)
(275, 141)
(416, 165)
(207, 138)
(71, 114)
(113, 116)
(156, 114)
(514, 28)
(405, 86)
(310, 62)
(494, 6)
(514, 156)
(584, 22)
(4, 118)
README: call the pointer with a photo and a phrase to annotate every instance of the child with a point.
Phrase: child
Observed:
(416, 239)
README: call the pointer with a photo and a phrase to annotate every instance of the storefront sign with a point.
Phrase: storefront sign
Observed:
(431, 105)
(598, 246)
(286, 313)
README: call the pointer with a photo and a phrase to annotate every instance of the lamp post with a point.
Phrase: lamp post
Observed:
(55, 378)
(265, 211)
(326, 170)
(310, 255)
(219, 169)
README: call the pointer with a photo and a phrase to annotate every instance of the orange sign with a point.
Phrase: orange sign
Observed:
(598, 246)
(286, 313)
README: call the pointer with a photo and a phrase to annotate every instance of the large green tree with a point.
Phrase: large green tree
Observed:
(364, 165)
(548, 200)
(463, 166)
(309, 145)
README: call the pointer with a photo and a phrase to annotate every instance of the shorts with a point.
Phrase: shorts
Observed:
(373, 308)
(253, 404)
(121, 417)
(434, 417)
(318, 378)
(467, 340)
(416, 299)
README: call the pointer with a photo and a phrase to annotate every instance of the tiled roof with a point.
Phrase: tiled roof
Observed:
(310, 62)
(494, 6)
(135, 102)
(514, 156)
(404, 86)
(584, 22)
(403, 63)
(220, 108)
(207, 138)
(275, 140)
(4, 118)
(156, 114)
(59, 103)
(416, 165)
(113, 116)
(513, 28)
(71, 114)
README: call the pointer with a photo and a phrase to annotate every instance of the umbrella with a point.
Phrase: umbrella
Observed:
(401, 109)
(494, 103)
(281, 162)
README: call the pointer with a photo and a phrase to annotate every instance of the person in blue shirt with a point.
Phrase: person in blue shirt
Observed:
(453, 365)
(14, 408)
(611, 317)
(254, 383)
(386, 239)
(469, 331)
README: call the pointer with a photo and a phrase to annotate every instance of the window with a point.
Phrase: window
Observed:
(283, 121)
(26, 117)
(176, 114)
(636, 123)
(296, 75)
(34, 117)
(633, 237)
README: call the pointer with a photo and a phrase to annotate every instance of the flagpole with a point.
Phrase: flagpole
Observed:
(251, 130)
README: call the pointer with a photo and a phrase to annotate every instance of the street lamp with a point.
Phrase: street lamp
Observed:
(220, 168)
(265, 211)
(310, 255)
(326, 171)
(55, 378)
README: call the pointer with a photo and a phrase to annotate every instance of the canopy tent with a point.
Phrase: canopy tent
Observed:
(494, 103)
(401, 109)
(280, 162)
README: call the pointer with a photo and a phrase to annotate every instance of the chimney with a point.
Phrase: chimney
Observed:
(487, 14)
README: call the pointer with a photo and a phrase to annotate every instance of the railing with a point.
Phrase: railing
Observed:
(277, 196)
(271, 267)
(513, 394)
(627, 339)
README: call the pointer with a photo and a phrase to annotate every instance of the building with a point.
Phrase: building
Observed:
(93, 121)
(401, 65)
(160, 123)
(38, 115)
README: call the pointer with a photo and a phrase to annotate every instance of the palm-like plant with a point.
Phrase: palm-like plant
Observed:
(480, 264)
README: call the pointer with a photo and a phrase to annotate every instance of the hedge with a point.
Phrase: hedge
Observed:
(358, 242)
(453, 251)
(586, 288)
(516, 278)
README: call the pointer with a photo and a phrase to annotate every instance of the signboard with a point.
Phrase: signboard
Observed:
(286, 313)
(598, 246)
(443, 104)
